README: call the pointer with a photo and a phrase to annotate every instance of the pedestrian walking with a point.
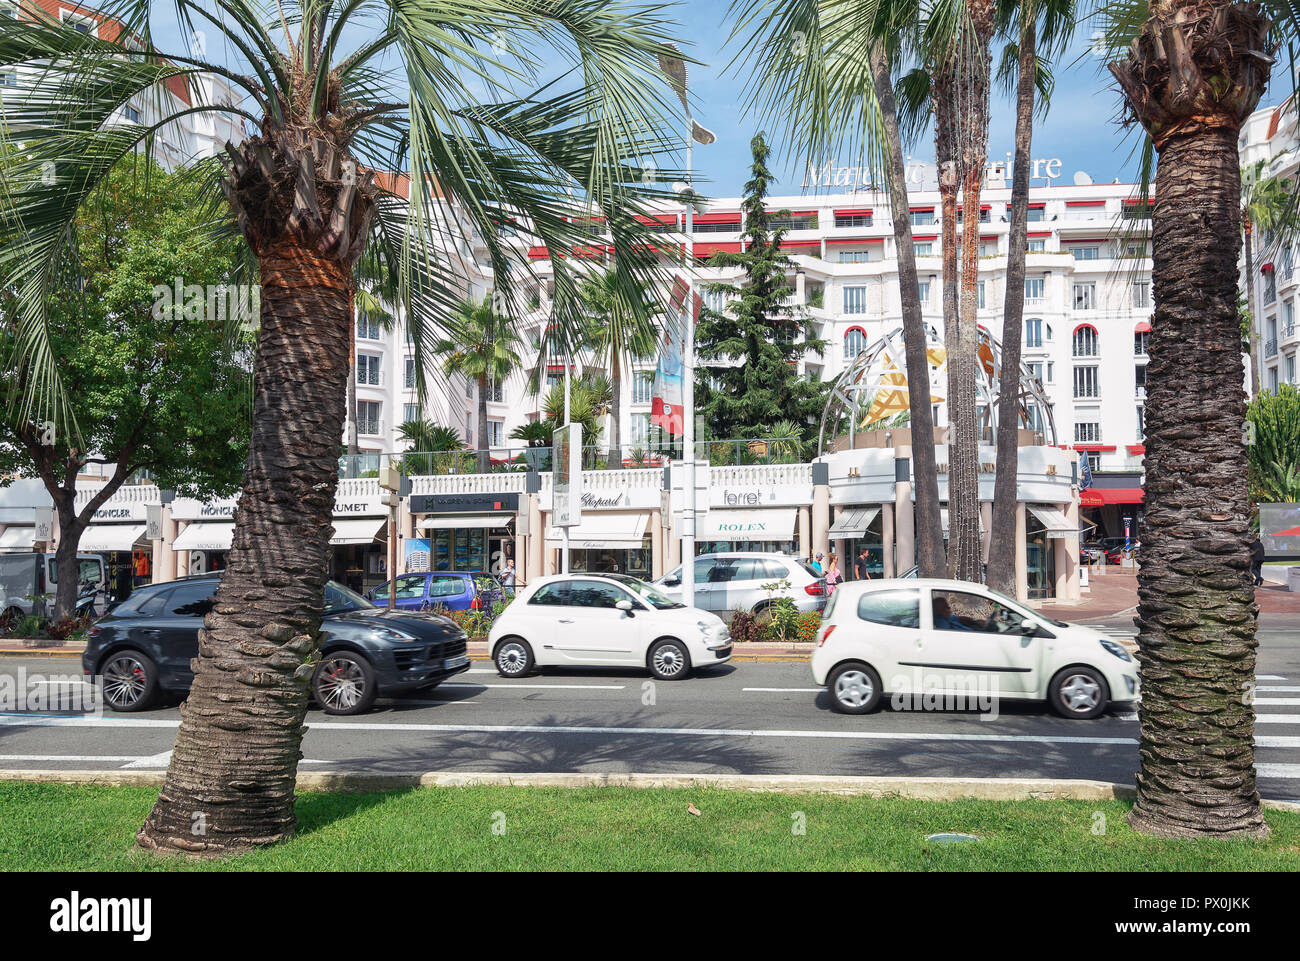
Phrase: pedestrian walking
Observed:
(833, 575)
(508, 577)
(862, 566)
(816, 563)
(1257, 561)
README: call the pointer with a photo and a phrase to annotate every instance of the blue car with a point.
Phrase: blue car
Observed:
(452, 590)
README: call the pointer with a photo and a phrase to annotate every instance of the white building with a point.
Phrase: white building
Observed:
(1273, 134)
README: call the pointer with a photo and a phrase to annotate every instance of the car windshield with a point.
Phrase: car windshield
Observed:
(648, 593)
(339, 599)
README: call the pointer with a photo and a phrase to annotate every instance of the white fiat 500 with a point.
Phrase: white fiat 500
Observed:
(597, 620)
(954, 641)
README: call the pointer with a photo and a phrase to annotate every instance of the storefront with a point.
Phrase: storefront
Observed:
(206, 529)
(117, 534)
(771, 530)
(608, 542)
(359, 544)
(859, 528)
(19, 501)
(1113, 504)
(462, 532)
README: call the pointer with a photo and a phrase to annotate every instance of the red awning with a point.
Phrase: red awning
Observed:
(1137, 449)
(709, 249)
(1143, 327)
(1101, 496)
(668, 219)
(717, 218)
(920, 210)
(1039, 233)
(1085, 203)
(856, 240)
(538, 253)
(853, 211)
(792, 244)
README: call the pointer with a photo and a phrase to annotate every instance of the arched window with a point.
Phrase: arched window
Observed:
(855, 342)
(1086, 342)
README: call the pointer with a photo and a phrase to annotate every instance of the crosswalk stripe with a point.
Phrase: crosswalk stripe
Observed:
(1291, 771)
(1277, 688)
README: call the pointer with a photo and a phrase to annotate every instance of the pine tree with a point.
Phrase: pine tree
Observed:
(748, 352)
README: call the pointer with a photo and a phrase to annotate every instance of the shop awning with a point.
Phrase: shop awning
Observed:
(765, 524)
(1100, 496)
(17, 538)
(617, 530)
(362, 530)
(1054, 520)
(943, 518)
(110, 537)
(205, 537)
(439, 522)
(853, 522)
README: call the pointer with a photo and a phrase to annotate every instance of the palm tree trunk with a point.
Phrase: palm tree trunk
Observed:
(1002, 543)
(230, 784)
(929, 533)
(945, 159)
(615, 412)
(484, 462)
(1191, 80)
(1250, 306)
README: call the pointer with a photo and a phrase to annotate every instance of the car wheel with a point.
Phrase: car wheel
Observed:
(130, 680)
(854, 688)
(668, 660)
(344, 683)
(513, 657)
(1078, 692)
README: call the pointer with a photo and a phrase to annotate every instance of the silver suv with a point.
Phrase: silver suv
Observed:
(734, 582)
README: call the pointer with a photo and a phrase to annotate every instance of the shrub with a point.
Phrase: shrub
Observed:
(745, 628)
(807, 624)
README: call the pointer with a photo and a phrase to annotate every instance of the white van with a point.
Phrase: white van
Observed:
(26, 579)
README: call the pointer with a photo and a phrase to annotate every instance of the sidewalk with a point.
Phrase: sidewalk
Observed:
(1115, 593)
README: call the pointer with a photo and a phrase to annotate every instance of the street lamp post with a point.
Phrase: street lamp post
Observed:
(675, 69)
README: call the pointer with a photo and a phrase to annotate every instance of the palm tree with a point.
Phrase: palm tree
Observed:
(1266, 205)
(823, 79)
(302, 192)
(590, 398)
(1024, 16)
(618, 332)
(432, 439)
(483, 349)
(1193, 74)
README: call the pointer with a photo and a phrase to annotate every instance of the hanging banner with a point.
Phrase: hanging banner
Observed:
(666, 406)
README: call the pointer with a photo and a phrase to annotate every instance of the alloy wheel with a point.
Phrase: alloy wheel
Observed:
(854, 688)
(668, 661)
(512, 658)
(342, 684)
(1080, 693)
(125, 681)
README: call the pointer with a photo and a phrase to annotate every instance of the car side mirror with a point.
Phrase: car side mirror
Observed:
(1029, 627)
(624, 606)
(672, 581)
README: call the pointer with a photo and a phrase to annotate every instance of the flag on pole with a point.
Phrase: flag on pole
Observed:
(1085, 471)
(666, 403)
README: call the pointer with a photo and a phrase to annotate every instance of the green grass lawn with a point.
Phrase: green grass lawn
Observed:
(65, 827)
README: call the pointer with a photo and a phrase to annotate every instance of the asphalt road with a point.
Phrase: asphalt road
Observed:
(744, 717)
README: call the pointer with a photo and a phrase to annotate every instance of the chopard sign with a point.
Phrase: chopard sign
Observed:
(590, 500)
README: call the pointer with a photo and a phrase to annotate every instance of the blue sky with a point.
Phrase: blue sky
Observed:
(1081, 129)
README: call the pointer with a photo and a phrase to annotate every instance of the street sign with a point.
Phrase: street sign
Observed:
(566, 463)
(44, 524)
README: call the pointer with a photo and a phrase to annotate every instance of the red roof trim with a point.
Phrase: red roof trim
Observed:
(1137, 449)
(860, 329)
(853, 211)
(920, 210)
(1039, 233)
(1096, 448)
(926, 237)
(733, 218)
(1091, 327)
(855, 240)
(1085, 203)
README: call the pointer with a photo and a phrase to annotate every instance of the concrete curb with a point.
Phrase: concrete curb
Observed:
(911, 788)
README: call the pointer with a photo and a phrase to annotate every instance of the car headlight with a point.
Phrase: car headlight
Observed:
(1116, 648)
(390, 634)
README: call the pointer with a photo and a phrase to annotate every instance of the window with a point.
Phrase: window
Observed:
(1034, 332)
(1086, 342)
(496, 433)
(409, 587)
(855, 342)
(494, 392)
(855, 300)
(1051, 366)
(1034, 288)
(923, 289)
(980, 293)
(715, 299)
(131, 114)
(1036, 370)
(1087, 432)
(410, 412)
(1140, 341)
(923, 250)
(853, 220)
(368, 369)
(1085, 382)
(409, 378)
(983, 218)
(1270, 287)
(596, 594)
(963, 611)
(367, 329)
(894, 608)
(640, 425)
(1288, 319)
(1140, 381)
(368, 417)
(8, 79)
(1272, 379)
(794, 222)
(921, 218)
(1085, 296)
(446, 586)
(1141, 424)
(1141, 293)
(1091, 252)
(191, 600)
(1138, 249)
(1290, 368)
(1037, 214)
(552, 595)
(855, 256)
(643, 385)
(1036, 245)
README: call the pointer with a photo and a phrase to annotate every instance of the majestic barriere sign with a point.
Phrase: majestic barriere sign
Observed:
(920, 175)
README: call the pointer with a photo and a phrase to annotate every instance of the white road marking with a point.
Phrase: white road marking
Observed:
(124, 722)
(1277, 718)
(69, 757)
(1269, 677)
(153, 760)
(785, 690)
(1277, 740)
(544, 687)
(1277, 700)
(1277, 689)
(1290, 771)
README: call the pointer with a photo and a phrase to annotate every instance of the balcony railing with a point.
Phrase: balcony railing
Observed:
(1270, 348)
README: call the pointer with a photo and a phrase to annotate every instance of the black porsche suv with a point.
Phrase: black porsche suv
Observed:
(146, 644)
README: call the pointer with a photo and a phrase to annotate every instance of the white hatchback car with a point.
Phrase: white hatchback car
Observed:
(954, 640)
(598, 620)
